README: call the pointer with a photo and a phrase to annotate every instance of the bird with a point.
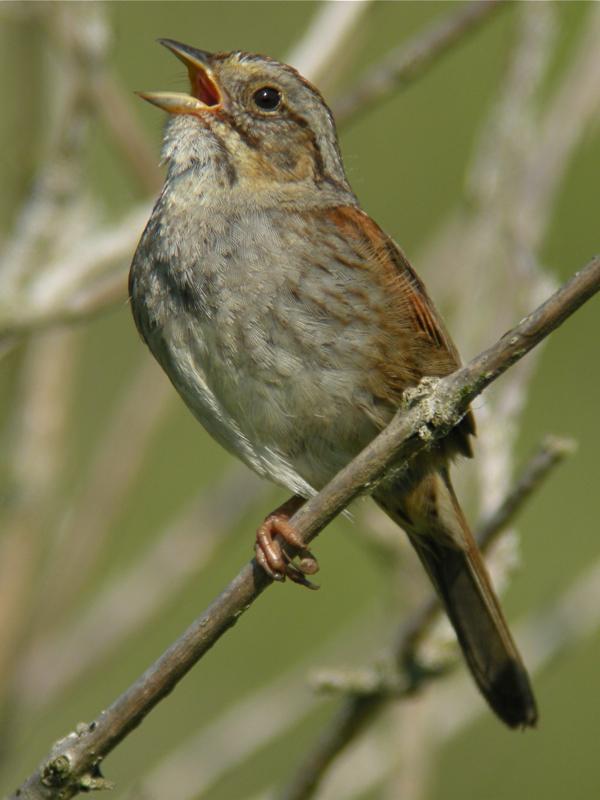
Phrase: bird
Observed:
(291, 326)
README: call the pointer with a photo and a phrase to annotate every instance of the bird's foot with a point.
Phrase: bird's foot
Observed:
(272, 557)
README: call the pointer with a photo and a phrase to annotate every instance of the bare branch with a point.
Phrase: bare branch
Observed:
(574, 106)
(114, 108)
(37, 430)
(371, 689)
(53, 209)
(484, 231)
(503, 225)
(407, 62)
(549, 455)
(73, 762)
(69, 286)
(551, 452)
(317, 51)
(544, 635)
(247, 725)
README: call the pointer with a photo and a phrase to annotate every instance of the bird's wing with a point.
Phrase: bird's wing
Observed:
(423, 346)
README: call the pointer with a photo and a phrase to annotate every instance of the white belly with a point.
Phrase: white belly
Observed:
(292, 424)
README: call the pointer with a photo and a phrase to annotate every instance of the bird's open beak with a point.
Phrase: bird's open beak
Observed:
(204, 92)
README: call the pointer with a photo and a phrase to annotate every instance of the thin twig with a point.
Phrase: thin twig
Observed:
(502, 226)
(573, 107)
(73, 762)
(544, 636)
(350, 720)
(370, 690)
(413, 764)
(409, 61)
(129, 137)
(324, 42)
(481, 231)
(246, 725)
(54, 203)
(552, 451)
(37, 430)
(64, 291)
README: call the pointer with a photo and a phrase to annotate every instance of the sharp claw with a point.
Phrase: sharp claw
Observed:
(295, 575)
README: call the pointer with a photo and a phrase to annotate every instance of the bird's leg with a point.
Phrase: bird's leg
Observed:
(270, 554)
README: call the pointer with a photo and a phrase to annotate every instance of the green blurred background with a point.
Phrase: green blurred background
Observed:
(406, 161)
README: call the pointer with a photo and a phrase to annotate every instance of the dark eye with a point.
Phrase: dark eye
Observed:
(268, 98)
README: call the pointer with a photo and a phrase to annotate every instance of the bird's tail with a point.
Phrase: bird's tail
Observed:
(436, 526)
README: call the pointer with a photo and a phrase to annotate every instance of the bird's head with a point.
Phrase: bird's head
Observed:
(251, 119)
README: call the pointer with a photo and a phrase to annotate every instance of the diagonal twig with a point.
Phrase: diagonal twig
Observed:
(551, 452)
(370, 690)
(544, 636)
(113, 106)
(409, 61)
(245, 726)
(73, 764)
(326, 39)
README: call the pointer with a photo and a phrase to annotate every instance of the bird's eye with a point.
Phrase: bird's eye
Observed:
(267, 98)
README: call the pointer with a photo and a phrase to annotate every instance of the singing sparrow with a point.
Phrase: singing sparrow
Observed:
(291, 325)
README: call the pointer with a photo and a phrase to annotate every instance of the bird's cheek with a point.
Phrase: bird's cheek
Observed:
(281, 166)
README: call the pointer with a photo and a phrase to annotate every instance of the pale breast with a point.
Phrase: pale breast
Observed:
(267, 338)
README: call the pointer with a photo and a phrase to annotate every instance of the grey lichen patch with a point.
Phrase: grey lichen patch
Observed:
(437, 412)
(89, 783)
(425, 434)
(415, 394)
(381, 679)
(82, 728)
(57, 771)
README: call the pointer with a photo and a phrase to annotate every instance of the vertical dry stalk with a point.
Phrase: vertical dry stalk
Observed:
(115, 465)
(38, 430)
(326, 41)
(40, 416)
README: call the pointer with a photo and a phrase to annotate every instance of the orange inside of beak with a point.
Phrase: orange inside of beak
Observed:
(203, 88)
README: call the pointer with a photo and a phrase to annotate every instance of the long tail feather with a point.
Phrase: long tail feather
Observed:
(437, 529)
